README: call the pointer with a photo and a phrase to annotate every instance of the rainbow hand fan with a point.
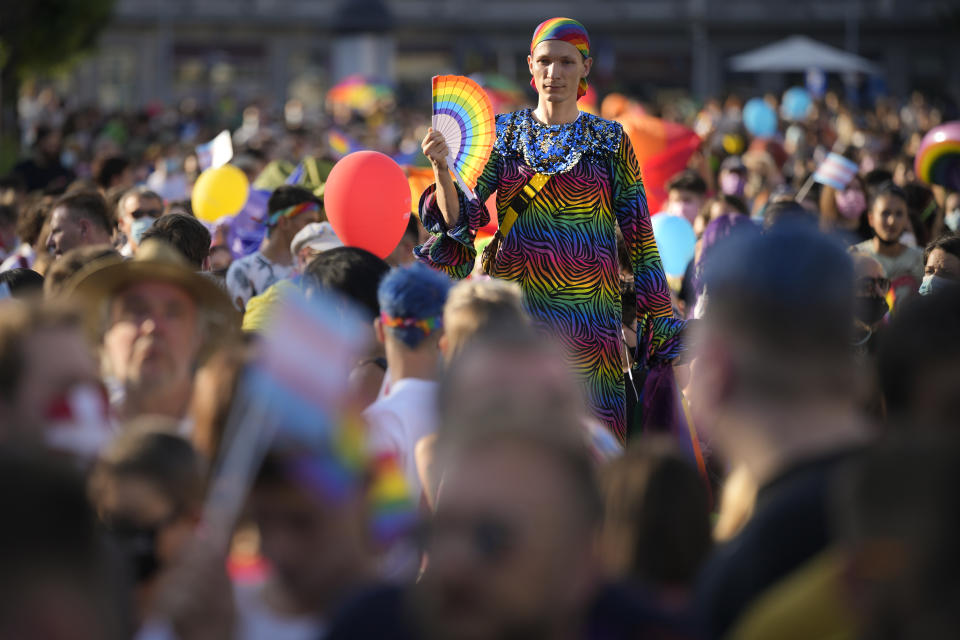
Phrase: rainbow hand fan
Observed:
(462, 113)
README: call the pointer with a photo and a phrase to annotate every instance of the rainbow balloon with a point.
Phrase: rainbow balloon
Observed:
(463, 115)
(938, 160)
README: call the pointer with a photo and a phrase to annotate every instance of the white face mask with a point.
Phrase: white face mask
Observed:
(952, 219)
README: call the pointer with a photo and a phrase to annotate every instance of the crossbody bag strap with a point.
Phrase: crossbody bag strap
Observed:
(521, 201)
(517, 205)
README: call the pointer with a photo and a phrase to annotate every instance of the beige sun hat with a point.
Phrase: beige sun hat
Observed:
(155, 261)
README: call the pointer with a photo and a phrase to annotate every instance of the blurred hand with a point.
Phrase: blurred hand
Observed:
(195, 595)
(435, 148)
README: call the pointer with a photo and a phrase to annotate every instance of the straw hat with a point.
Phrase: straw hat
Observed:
(155, 261)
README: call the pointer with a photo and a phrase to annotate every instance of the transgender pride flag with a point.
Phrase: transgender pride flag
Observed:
(836, 171)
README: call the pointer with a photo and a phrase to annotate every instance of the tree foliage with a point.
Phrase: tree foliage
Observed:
(37, 36)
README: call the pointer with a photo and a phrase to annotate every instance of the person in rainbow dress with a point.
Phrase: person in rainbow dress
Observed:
(562, 249)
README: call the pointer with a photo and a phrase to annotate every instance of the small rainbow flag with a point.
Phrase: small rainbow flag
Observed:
(341, 144)
(306, 354)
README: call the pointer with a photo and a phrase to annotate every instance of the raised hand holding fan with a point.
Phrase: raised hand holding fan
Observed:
(463, 115)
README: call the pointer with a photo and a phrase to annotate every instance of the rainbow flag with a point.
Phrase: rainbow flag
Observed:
(341, 144)
(300, 372)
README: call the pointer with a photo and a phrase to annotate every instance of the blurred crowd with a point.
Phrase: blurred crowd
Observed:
(159, 387)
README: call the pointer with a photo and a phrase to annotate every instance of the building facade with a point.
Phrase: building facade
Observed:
(273, 50)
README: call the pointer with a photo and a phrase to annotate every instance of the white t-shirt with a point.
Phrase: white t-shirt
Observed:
(399, 420)
(256, 621)
(252, 275)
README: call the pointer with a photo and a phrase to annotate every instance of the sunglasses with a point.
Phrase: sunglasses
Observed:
(868, 286)
(140, 213)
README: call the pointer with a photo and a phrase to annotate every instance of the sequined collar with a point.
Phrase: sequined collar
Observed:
(555, 148)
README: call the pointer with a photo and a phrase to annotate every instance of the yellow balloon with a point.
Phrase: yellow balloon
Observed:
(219, 192)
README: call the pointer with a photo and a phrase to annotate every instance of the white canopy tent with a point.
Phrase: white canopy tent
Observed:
(800, 53)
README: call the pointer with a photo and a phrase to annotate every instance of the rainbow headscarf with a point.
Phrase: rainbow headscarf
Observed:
(568, 30)
(290, 212)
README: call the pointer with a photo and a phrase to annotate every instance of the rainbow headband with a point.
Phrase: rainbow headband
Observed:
(568, 30)
(427, 325)
(290, 212)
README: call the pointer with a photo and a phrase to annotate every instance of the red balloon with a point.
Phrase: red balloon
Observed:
(367, 200)
(491, 227)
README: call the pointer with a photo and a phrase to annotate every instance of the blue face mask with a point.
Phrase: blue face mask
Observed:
(935, 284)
(139, 227)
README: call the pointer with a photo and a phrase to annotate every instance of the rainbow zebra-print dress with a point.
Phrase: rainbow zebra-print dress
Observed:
(562, 250)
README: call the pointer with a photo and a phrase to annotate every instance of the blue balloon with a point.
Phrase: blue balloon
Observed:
(759, 118)
(676, 242)
(796, 104)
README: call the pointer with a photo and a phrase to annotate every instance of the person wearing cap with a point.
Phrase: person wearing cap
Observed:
(153, 318)
(579, 179)
(312, 240)
(289, 210)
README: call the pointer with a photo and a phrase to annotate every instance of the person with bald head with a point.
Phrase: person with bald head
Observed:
(564, 180)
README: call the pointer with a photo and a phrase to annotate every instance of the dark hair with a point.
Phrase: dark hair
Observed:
(72, 262)
(185, 233)
(109, 169)
(181, 206)
(22, 282)
(13, 182)
(657, 515)
(688, 181)
(89, 205)
(351, 272)
(49, 534)
(888, 189)
(623, 256)
(8, 215)
(874, 179)
(736, 203)
(628, 302)
(287, 196)
(413, 228)
(43, 131)
(948, 244)
(32, 219)
(920, 348)
(165, 459)
(920, 201)
(144, 193)
(785, 210)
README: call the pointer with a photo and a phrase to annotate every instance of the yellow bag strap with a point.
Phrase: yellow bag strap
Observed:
(521, 201)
